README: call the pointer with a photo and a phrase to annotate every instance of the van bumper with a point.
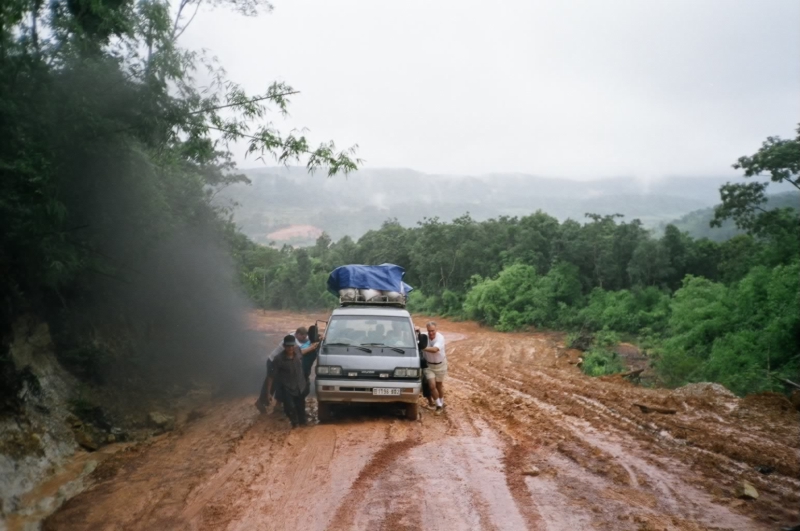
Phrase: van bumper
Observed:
(329, 390)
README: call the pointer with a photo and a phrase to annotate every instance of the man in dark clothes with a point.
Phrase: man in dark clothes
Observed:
(309, 352)
(287, 372)
(268, 393)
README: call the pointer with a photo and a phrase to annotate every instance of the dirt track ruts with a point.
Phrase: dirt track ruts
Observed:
(514, 403)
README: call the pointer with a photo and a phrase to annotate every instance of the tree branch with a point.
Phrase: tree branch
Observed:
(196, 9)
(294, 155)
(237, 133)
(183, 4)
(787, 382)
(260, 98)
(34, 28)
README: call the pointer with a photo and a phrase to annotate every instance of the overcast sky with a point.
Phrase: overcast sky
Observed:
(583, 89)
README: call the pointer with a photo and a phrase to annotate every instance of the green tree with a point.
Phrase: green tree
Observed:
(743, 202)
(532, 241)
(650, 264)
(387, 245)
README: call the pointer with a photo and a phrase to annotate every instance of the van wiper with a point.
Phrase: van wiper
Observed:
(338, 344)
(363, 348)
(401, 351)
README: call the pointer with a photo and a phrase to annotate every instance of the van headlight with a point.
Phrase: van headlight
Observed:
(406, 373)
(329, 370)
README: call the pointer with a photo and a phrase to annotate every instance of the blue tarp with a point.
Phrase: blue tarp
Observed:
(384, 277)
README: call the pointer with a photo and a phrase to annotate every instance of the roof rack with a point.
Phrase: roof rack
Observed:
(380, 300)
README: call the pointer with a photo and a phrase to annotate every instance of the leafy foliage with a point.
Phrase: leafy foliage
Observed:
(738, 335)
(601, 362)
(743, 201)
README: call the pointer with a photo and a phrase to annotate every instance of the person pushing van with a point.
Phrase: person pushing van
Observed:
(436, 371)
(308, 351)
(287, 374)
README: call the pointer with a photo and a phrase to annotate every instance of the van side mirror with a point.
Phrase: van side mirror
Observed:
(422, 341)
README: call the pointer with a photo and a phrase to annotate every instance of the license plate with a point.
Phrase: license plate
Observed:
(382, 391)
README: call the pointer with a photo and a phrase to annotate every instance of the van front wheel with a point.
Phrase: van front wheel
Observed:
(412, 411)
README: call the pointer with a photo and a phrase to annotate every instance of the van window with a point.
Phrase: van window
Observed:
(358, 330)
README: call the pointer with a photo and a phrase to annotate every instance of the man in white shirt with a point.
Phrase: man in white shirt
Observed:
(437, 365)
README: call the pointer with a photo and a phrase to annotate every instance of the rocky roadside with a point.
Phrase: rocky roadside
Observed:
(54, 431)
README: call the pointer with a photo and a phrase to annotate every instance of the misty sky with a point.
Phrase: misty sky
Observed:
(559, 88)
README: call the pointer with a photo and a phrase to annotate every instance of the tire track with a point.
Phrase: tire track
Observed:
(608, 444)
(382, 460)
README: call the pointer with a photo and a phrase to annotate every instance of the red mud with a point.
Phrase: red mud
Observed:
(515, 402)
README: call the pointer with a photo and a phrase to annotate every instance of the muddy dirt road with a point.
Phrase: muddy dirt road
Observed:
(527, 442)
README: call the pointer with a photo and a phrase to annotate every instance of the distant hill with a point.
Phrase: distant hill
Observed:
(697, 223)
(279, 198)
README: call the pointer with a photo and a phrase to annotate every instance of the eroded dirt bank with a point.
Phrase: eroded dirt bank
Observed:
(527, 443)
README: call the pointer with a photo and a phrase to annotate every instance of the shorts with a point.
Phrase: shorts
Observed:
(437, 372)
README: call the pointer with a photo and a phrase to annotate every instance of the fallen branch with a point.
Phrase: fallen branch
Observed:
(787, 382)
(655, 409)
(628, 374)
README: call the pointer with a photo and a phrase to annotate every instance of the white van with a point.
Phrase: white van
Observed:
(369, 354)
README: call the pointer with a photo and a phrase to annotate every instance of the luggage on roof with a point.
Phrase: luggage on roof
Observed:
(369, 284)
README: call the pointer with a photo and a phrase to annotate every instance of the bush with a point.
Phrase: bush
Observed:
(418, 302)
(625, 311)
(606, 339)
(736, 335)
(519, 297)
(600, 362)
(573, 338)
(452, 303)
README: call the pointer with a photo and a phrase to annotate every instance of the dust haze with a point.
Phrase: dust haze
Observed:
(163, 301)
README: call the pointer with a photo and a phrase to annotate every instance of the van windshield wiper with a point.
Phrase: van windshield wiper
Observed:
(396, 349)
(401, 351)
(341, 344)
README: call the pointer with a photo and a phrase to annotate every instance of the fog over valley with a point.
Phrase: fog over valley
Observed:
(287, 205)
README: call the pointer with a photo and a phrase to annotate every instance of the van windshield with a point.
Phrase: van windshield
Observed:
(369, 331)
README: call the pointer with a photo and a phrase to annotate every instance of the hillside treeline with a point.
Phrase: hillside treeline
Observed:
(704, 310)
